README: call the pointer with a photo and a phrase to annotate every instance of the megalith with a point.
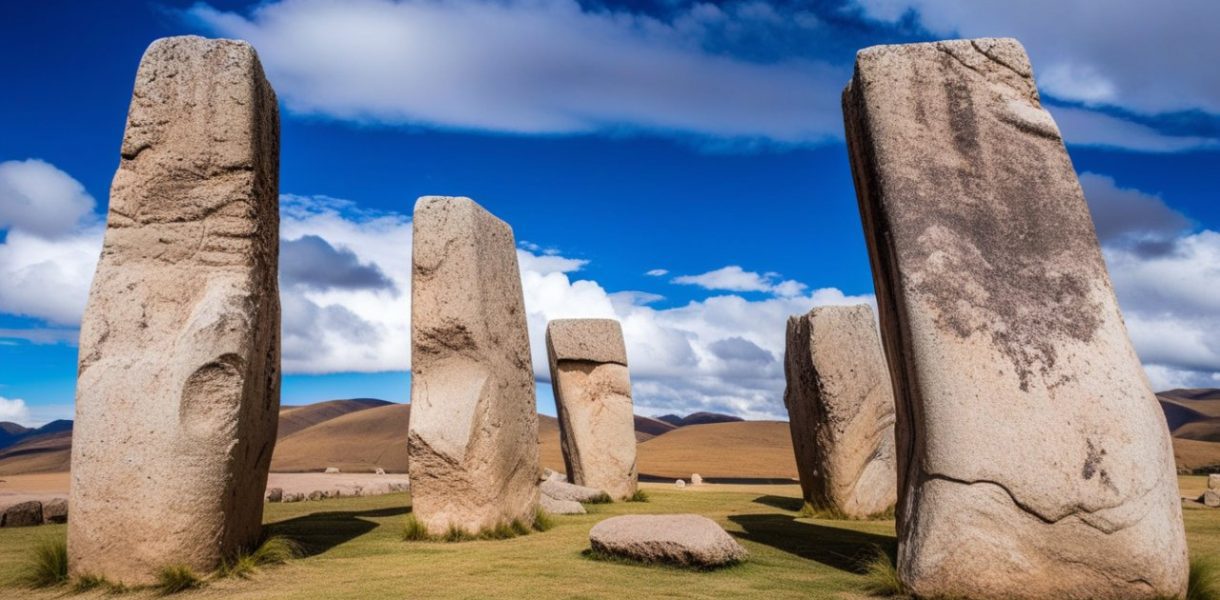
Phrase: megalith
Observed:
(841, 411)
(592, 388)
(472, 441)
(177, 392)
(1033, 459)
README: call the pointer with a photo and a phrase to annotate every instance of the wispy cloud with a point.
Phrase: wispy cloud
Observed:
(735, 279)
(538, 67)
(1128, 54)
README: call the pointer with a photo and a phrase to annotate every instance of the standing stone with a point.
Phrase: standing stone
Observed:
(178, 388)
(1034, 461)
(696, 479)
(841, 411)
(593, 399)
(473, 435)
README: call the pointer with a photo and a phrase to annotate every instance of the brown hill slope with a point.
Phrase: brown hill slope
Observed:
(375, 437)
(1192, 455)
(296, 418)
(358, 441)
(47, 453)
(745, 449)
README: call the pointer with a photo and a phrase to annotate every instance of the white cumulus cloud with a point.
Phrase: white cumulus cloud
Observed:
(14, 410)
(52, 242)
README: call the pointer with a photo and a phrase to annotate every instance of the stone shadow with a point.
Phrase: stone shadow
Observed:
(781, 502)
(840, 548)
(319, 532)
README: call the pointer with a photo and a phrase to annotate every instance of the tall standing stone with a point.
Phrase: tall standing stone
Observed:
(592, 388)
(178, 388)
(841, 411)
(1033, 458)
(473, 437)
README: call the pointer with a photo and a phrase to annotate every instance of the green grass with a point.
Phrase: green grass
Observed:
(639, 496)
(602, 498)
(47, 565)
(809, 511)
(1204, 579)
(85, 583)
(275, 550)
(353, 548)
(881, 576)
(172, 579)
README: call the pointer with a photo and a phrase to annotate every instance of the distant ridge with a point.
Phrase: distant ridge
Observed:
(12, 434)
(699, 418)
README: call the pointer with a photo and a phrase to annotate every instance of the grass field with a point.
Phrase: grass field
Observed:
(354, 550)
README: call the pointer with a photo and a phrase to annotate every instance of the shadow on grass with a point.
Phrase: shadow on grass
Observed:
(844, 549)
(781, 502)
(318, 532)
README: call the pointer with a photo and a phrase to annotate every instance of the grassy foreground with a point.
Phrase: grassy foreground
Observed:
(354, 549)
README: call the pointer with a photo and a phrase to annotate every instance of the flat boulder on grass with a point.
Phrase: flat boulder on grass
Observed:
(560, 507)
(562, 490)
(23, 514)
(685, 540)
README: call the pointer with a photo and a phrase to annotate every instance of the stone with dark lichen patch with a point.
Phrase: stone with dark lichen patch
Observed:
(1033, 459)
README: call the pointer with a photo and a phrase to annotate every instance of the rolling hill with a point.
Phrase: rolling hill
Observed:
(362, 434)
(296, 418)
(738, 449)
(1194, 415)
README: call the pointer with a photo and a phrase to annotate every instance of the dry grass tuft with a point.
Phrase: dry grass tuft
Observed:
(172, 579)
(48, 565)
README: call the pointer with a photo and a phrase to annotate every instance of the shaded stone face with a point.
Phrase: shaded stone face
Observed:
(473, 434)
(592, 388)
(178, 389)
(1034, 461)
(841, 411)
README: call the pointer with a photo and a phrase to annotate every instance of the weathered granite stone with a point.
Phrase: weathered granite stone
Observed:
(687, 540)
(593, 400)
(1211, 498)
(275, 494)
(178, 387)
(562, 490)
(22, 514)
(379, 471)
(841, 411)
(1213, 481)
(696, 479)
(55, 510)
(556, 506)
(473, 435)
(1034, 461)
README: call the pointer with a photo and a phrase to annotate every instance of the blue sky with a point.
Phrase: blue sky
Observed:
(701, 143)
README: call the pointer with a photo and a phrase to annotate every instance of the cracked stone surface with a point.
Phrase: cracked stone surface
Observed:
(473, 437)
(1033, 459)
(841, 410)
(592, 387)
(178, 389)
